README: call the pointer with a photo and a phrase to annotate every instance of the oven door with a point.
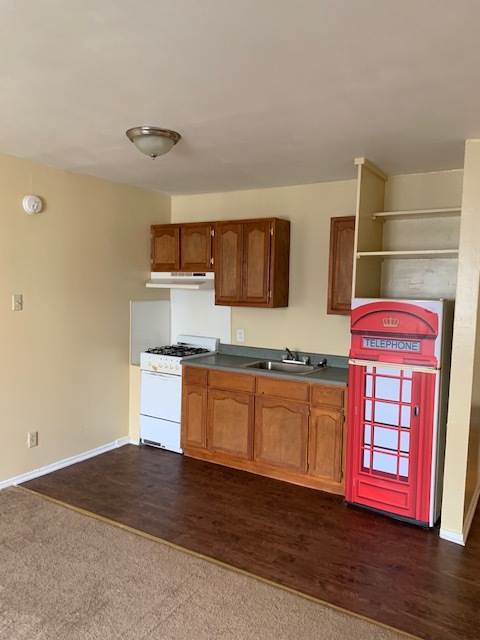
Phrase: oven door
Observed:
(160, 395)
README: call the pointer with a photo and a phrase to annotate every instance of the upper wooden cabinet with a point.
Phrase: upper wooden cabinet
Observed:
(183, 247)
(252, 260)
(340, 270)
(228, 262)
(165, 254)
(196, 247)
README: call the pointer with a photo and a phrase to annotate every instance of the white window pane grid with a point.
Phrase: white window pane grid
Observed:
(386, 426)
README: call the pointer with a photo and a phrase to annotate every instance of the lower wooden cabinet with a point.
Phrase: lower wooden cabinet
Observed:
(281, 433)
(325, 444)
(283, 429)
(230, 423)
(194, 414)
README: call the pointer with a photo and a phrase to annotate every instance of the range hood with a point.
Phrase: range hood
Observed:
(180, 280)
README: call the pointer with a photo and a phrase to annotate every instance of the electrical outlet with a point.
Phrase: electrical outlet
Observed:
(32, 439)
(17, 302)
(240, 335)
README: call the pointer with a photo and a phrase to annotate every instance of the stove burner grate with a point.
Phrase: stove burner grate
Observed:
(177, 350)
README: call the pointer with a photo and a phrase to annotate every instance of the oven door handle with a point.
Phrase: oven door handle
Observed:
(158, 374)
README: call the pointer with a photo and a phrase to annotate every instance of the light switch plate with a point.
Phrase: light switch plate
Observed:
(240, 335)
(17, 302)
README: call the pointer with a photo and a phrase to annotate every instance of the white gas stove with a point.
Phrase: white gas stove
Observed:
(161, 389)
(166, 359)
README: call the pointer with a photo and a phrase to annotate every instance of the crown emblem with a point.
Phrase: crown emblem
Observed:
(390, 322)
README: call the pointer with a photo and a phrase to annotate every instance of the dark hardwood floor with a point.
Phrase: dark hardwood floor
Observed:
(304, 539)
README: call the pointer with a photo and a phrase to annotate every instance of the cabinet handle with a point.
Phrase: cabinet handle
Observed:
(416, 411)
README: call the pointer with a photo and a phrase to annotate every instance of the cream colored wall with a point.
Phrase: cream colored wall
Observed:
(473, 456)
(304, 324)
(424, 190)
(65, 357)
(462, 445)
(134, 404)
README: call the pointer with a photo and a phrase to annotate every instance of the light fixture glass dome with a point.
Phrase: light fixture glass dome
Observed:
(153, 141)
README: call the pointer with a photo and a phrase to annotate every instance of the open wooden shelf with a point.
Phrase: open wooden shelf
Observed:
(417, 254)
(417, 213)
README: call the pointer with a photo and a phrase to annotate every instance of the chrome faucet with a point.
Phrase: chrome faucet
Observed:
(288, 355)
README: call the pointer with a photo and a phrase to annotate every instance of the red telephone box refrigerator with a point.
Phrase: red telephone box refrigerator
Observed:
(398, 391)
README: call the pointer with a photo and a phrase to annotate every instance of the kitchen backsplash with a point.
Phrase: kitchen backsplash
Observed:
(149, 326)
(195, 313)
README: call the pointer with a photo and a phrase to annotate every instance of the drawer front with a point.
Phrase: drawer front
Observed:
(286, 389)
(231, 381)
(193, 375)
(328, 395)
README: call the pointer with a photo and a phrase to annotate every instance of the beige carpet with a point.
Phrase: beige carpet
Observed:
(67, 576)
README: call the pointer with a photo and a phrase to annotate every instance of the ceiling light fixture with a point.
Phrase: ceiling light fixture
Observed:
(153, 141)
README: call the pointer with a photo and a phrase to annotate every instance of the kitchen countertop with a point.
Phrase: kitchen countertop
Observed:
(333, 375)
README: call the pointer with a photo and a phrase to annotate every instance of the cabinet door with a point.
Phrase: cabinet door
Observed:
(281, 429)
(194, 433)
(280, 263)
(228, 263)
(340, 270)
(196, 247)
(165, 250)
(256, 265)
(325, 443)
(230, 423)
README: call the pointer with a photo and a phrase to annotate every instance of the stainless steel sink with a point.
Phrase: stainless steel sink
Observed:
(287, 367)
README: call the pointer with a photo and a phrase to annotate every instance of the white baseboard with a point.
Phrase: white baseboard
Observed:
(461, 538)
(64, 463)
(458, 538)
(471, 512)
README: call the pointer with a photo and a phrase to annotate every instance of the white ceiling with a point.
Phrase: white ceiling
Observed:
(263, 92)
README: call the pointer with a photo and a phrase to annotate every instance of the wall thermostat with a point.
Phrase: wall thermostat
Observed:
(32, 204)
